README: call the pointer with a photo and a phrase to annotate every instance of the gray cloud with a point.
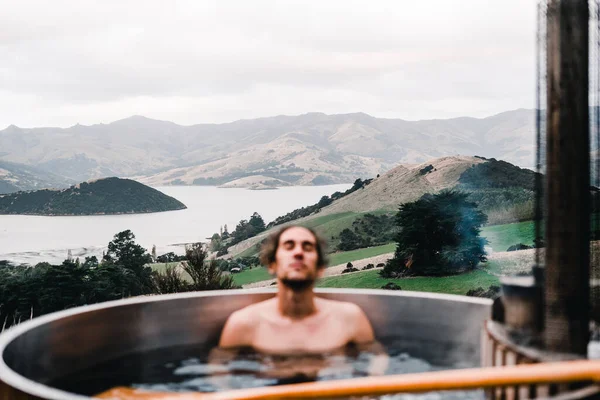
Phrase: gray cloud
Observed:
(66, 62)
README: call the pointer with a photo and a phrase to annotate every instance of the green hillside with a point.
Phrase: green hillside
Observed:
(504, 192)
(103, 196)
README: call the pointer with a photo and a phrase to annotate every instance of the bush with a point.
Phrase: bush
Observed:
(391, 286)
(491, 293)
(368, 230)
(517, 247)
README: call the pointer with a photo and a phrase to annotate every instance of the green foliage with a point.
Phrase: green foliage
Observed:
(169, 281)
(497, 174)
(439, 235)
(27, 292)
(368, 230)
(257, 222)
(169, 257)
(123, 251)
(351, 241)
(104, 196)
(247, 229)
(205, 275)
(504, 205)
(494, 198)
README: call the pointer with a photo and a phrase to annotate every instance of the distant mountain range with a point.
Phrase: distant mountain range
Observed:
(103, 196)
(308, 149)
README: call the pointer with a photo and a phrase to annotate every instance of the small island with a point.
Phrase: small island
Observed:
(98, 197)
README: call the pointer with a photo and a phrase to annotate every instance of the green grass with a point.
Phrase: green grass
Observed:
(249, 252)
(455, 284)
(501, 237)
(329, 227)
(255, 274)
(353, 255)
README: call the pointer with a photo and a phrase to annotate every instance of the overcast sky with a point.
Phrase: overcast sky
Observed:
(197, 61)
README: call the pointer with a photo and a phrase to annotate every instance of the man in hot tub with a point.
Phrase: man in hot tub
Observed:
(296, 320)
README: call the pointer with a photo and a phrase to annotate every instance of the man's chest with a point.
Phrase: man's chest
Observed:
(306, 337)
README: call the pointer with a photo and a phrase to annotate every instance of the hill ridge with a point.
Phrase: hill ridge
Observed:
(96, 197)
(336, 148)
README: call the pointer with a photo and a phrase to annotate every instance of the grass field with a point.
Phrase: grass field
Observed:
(255, 274)
(249, 252)
(455, 284)
(501, 237)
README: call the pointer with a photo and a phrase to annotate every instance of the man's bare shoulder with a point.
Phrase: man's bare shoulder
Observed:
(252, 311)
(343, 308)
(240, 326)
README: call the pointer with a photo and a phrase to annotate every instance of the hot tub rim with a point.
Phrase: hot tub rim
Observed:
(13, 379)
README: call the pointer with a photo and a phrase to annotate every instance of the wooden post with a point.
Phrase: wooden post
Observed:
(568, 178)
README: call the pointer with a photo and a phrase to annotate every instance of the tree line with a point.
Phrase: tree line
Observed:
(27, 292)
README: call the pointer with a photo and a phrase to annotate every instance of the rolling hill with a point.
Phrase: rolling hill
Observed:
(103, 196)
(503, 191)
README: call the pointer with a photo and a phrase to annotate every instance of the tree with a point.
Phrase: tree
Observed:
(439, 235)
(246, 229)
(123, 251)
(205, 275)
(153, 253)
(349, 240)
(257, 222)
(225, 233)
(90, 262)
(325, 201)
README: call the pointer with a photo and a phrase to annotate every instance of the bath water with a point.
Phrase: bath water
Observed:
(189, 369)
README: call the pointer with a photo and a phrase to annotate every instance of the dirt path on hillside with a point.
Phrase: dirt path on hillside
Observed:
(334, 270)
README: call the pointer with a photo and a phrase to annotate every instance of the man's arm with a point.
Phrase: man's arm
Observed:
(236, 333)
(365, 338)
(363, 331)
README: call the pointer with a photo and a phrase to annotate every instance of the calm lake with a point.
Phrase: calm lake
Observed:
(31, 239)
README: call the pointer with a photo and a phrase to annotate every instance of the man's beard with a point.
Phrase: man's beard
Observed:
(298, 285)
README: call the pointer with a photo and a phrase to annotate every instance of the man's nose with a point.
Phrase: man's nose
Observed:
(298, 252)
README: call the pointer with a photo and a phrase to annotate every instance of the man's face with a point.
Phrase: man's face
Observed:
(296, 257)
